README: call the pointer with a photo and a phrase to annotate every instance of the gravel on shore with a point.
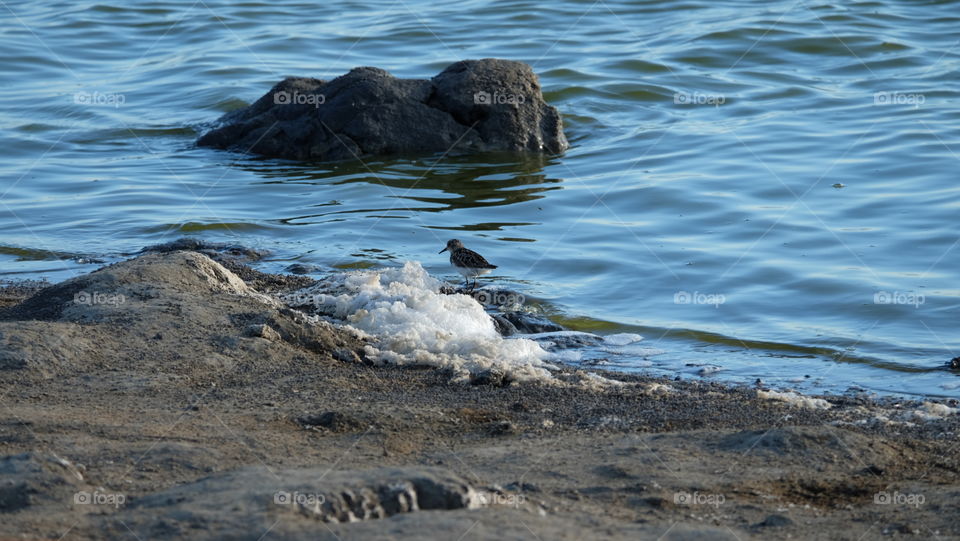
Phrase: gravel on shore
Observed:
(172, 395)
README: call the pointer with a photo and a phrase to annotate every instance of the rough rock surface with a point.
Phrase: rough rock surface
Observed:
(154, 399)
(505, 307)
(37, 480)
(130, 310)
(471, 106)
(251, 499)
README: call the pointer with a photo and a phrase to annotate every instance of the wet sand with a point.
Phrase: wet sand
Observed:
(172, 396)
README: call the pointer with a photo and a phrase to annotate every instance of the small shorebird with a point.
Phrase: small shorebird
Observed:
(469, 263)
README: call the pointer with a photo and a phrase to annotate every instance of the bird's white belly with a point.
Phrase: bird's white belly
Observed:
(469, 272)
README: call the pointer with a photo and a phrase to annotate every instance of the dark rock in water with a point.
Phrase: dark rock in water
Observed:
(301, 268)
(503, 325)
(209, 248)
(493, 296)
(501, 306)
(515, 322)
(183, 243)
(501, 99)
(570, 341)
(955, 363)
(531, 324)
(471, 106)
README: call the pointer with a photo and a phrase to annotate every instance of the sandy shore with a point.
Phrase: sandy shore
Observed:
(172, 396)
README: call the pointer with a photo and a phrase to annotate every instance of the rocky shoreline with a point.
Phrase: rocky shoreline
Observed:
(175, 395)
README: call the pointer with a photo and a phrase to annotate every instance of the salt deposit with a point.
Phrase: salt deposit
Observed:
(795, 399)
(931, 411)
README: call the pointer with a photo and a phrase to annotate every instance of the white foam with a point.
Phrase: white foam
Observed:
(622, 339)
(708, 370)
(598, 382)
(796, 399)
(931, 411)
(928, 412)
(411, 322)
(656, 388)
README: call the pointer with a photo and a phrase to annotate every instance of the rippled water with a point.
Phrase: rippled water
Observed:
(787, 168)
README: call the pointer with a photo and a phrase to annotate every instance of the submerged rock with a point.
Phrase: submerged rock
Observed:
(527, 323)
(471, 106)
(206, 247)
(503, 325)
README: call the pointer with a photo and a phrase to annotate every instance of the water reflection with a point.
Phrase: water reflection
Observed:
(439, 183)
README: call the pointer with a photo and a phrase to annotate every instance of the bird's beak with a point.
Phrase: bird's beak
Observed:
(441, 251)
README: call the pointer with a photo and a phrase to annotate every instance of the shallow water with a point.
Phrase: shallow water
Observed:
(769, 190)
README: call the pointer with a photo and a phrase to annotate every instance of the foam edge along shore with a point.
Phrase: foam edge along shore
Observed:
(408, 320)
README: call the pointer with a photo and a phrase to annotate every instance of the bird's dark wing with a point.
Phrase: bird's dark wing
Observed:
(472, 259)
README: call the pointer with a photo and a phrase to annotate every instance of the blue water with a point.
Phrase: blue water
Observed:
(787, 168)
